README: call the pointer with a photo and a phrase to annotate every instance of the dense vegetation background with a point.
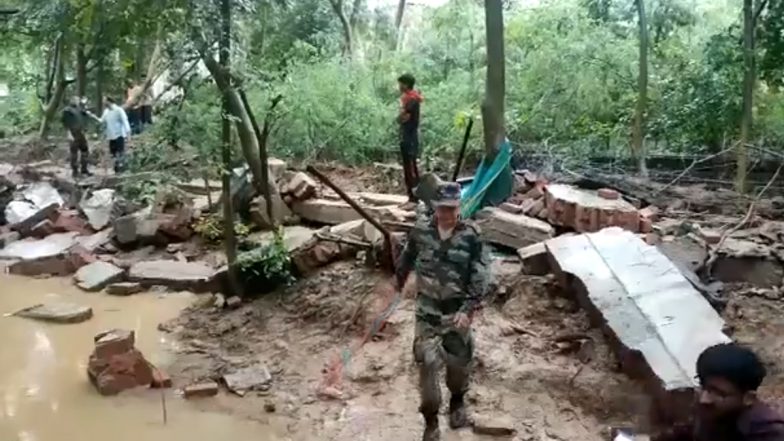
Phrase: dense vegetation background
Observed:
(572, 70)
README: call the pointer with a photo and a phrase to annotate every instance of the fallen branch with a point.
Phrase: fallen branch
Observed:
(713, 254)
(693, 164)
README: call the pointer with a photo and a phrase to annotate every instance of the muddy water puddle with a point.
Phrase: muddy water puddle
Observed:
(44, 391)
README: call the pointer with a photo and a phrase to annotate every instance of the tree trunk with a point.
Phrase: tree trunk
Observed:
(99, 75)
(81, 71)
(493, 105)
(60, 84)
(638, 129)
(230, 240)
(348, 38)
(401, 9)
(749, 74)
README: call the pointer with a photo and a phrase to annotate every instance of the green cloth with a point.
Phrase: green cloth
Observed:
(493, 183)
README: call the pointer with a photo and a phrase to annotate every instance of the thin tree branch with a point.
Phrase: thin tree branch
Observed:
(760, 8)
(713, 255)
(693, 164)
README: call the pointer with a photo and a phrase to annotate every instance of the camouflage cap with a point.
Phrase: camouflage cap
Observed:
(448, 195)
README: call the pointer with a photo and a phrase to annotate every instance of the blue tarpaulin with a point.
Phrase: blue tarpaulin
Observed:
(492, 183)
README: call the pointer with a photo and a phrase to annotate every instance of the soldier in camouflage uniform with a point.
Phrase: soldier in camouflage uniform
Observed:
(452, 268)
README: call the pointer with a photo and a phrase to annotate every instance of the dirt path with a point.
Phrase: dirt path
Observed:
(542, 387)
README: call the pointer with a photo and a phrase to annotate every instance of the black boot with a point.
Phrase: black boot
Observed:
(432, 431)
(458, 417)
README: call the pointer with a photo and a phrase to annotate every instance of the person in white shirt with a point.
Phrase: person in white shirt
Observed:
(117, 129)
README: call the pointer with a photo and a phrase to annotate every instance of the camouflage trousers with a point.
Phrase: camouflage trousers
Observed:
(437, 343)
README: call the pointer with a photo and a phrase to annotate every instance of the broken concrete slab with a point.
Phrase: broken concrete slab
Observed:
(381, 199)
(247, 379)
(294, 236)
(124, 289)
(95, 276)
(8, 238)
(325, 211)
(258, 211)
(493, 426)
(57, 313)
(51, 246)
(25, 225)
(656, 321)
(98, 208)
(172, 274)
(42, 194)
(511, 230)
(95, 241)
(586, 211)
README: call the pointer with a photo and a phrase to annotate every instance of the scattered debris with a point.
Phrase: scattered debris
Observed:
(534, 258)
(233, 302)
(95, 276)
(585, 211)
(57, 313)
(160, 379)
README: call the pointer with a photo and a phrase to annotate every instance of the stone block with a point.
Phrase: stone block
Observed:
(534, 258)
(95, 276)
(114, 342)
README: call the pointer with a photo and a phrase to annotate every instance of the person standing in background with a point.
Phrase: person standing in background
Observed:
(410, 101)
(132, 107)
(73, 120)
(117, 129)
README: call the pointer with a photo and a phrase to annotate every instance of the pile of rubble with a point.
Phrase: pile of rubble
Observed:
(116, 365)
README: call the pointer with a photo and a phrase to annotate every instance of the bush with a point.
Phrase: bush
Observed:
(264, 268)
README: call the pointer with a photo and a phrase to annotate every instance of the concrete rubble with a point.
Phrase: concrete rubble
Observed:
(65, 313)
(587, 211)
(97, 275)
(124, 288)
(116, 365)
(201, 390)
(254, 377)
(99, 207)
(657, 322)
(173, 274)
(512, 230)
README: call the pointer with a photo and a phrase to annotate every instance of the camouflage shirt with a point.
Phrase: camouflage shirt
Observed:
(454, 271)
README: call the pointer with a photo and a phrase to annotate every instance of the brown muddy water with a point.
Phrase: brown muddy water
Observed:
(44, 391)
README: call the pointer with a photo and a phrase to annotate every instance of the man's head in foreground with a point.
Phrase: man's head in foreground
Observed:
(729, 377)
(406, 82)
(447, 205)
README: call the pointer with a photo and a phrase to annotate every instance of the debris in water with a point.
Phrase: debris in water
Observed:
(250, 378)
(57, 313)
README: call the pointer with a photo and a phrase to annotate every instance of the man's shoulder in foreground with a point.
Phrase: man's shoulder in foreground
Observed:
(761, 423)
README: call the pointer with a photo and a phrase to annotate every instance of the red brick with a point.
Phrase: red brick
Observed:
(528, 206)
(69, 221)
(208, 389)
(608, 193)
(42, 229)
(160, 379)
(650, 212)
(113, 342)
(711, 236)
(652, 238)
(646, 226)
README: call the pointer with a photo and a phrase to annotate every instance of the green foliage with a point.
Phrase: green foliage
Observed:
(271, 262)
(211, 228)
(144, 191)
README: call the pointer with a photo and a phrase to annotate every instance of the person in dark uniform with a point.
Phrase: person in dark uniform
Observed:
(73, 119)
(410, 103)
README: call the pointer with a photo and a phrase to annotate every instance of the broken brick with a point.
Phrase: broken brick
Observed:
(535, 193)
(201, 390)
(511, 208)
(712, 237)
(585, 211)
(529, 205)
(233, 302)
(160, 379)
(42, 229)
(646, 226)
(608, 193)
(113, 342)
(650, 212)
